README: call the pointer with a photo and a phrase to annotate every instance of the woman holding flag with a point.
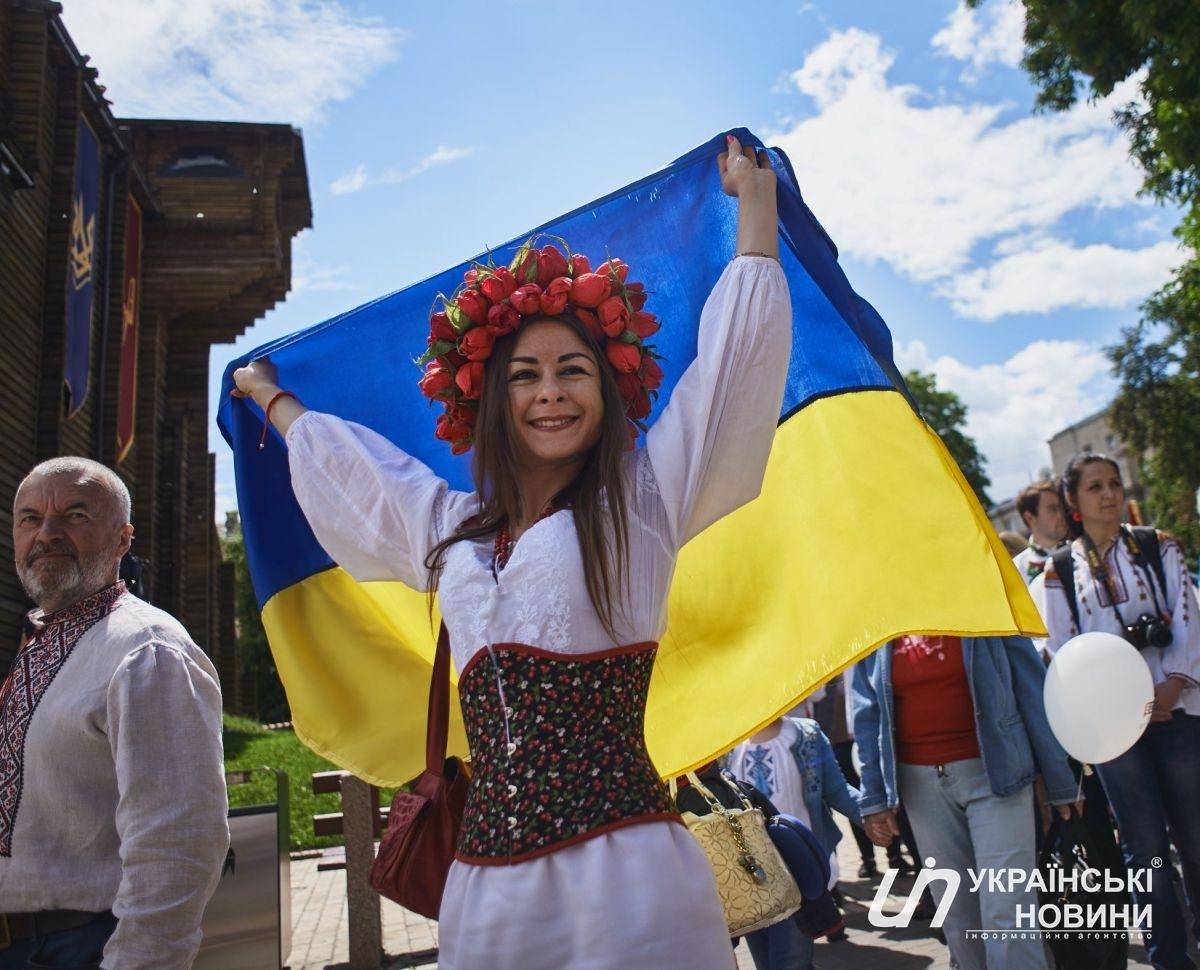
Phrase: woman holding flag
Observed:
(553, 574)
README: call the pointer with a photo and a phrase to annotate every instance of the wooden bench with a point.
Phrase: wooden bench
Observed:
(331, 823)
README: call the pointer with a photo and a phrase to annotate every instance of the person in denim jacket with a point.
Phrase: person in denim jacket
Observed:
(957, 730)
(792, 763)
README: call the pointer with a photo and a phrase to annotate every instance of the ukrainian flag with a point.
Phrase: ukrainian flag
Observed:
(865, 528)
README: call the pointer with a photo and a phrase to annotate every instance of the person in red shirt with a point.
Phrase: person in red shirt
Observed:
(935, 716)
(956, 730)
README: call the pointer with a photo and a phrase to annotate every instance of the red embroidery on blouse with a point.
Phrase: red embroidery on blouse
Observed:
(33, 670)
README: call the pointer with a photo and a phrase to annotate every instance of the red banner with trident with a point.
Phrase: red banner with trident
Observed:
(131, 305)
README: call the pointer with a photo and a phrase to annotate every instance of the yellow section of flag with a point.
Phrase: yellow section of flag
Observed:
(865, 529)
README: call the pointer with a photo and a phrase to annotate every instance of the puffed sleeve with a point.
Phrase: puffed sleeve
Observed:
(1182, 657)
(375, 509)
(709, 448)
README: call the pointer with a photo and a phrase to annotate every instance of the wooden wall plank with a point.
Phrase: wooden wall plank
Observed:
(204, 281)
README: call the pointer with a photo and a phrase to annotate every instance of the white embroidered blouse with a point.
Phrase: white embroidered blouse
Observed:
(1135, 595)
(377, 511)
(112, 782)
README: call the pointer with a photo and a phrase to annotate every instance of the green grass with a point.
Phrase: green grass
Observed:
(248, 745)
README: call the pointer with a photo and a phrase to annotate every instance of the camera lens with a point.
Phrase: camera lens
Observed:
(1158, 634)
(1149, 630)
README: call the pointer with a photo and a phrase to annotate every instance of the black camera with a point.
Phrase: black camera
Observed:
(1149, 630)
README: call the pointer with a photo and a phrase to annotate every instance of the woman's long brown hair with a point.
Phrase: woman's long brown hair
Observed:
(596, 496)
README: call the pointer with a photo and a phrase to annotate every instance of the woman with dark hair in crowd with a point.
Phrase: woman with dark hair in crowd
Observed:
(1135, 584)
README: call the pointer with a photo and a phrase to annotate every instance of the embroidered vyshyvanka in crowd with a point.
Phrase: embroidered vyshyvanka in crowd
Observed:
(112, 794)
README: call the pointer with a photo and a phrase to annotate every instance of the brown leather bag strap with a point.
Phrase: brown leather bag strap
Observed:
(438, 725)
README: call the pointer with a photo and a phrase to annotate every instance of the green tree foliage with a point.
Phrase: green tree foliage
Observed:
(1091, 46)
(1157, 408)
(945, 412)
(258, 666)
(1085, 48)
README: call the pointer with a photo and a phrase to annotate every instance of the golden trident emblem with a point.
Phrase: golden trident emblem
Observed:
(83, 243)
(129, 304)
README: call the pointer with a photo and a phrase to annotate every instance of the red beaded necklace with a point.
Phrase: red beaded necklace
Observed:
(502, 548)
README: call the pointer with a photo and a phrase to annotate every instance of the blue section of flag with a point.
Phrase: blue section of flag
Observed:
(675, 229)
(81, 265)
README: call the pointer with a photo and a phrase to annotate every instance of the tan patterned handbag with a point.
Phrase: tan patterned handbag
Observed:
(754, 883)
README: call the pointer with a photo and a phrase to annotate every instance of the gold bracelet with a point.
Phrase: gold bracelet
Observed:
(763, 255)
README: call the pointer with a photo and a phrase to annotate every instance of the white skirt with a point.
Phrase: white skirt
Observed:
(639, 896)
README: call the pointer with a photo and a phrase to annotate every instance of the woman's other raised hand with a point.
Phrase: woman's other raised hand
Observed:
(260, 380)
(255, 379)
(744, 169)
(746, 174)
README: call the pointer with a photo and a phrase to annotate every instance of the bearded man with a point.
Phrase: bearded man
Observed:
(112, 788)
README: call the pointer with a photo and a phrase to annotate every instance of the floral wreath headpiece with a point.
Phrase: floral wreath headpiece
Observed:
(547, 282)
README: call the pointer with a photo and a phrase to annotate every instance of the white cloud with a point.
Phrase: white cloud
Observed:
(309, 277)
(1015, 406)
(1152, 225)
(1049, 274)
(359, 179)
(237, 60)
(990, 34)
(440, 156)
(224, 501)
(350, 182)
(849, 61)
(924, 184)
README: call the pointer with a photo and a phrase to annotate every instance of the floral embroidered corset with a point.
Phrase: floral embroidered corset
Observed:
(557, 749)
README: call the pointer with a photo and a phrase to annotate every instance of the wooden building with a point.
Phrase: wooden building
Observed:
(128, 248)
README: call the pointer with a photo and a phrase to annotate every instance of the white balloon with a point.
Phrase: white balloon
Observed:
(1099, 696)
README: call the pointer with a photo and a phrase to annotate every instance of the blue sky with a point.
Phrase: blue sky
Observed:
(1004, 248)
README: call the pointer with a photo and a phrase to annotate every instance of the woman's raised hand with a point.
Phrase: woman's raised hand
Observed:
(255, 378)
(259, 380)
(746, 174)
(744, 169)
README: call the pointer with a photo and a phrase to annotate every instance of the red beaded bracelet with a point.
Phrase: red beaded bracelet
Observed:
(262, 442)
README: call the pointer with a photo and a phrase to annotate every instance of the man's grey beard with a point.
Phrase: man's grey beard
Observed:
(68, 583)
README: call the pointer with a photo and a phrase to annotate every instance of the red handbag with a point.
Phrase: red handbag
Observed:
(418, 844)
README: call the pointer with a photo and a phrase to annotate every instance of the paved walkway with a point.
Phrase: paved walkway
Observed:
(320, 925)
(320, 942)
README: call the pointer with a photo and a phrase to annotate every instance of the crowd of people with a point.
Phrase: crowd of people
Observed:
(571, 853)
(950, 736)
